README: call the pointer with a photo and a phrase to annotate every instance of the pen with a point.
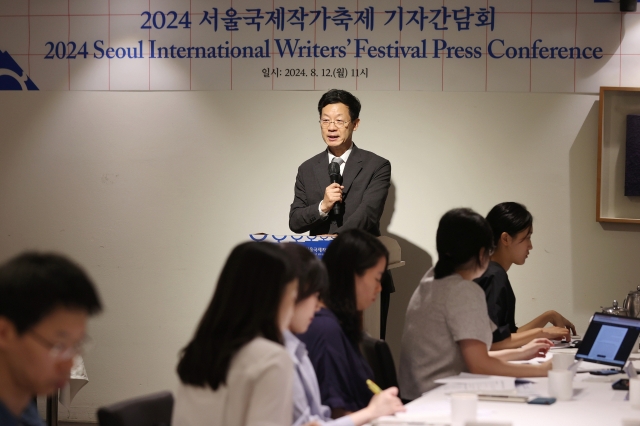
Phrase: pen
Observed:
(373, 387)
(505, 398)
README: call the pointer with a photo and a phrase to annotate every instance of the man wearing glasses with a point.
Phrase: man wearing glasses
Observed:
(45, 301)
(366, 178)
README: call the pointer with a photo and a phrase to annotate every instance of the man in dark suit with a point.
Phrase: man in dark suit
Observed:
(366, 178)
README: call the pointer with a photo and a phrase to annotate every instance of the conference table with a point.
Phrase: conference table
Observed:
(594, 403)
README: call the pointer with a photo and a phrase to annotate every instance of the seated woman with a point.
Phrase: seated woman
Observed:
(355, 262)
(512, 226)
(447, 330)
(236, 371)
(307, 405)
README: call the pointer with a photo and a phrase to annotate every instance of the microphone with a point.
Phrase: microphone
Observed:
(335, 177)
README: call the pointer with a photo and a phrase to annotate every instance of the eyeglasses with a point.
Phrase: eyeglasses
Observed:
(62, 352)
(340, 124)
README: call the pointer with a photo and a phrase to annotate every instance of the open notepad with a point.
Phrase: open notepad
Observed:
(439, 412)
(467, 382)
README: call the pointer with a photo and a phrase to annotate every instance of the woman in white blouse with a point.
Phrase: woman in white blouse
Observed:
(236, 371)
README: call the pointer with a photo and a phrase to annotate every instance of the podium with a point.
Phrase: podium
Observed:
(318, 245)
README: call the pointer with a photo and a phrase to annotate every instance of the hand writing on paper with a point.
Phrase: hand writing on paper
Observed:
(386, 403)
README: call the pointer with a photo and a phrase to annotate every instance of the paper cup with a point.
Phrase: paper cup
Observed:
(634, 392)
(464, 407)
(561, 384)
(562, 361)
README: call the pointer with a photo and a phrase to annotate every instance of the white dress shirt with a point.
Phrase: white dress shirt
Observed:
(344, 157)
(307, 405)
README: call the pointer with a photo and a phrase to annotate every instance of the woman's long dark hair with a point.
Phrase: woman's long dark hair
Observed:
(350, 254)
(245, 305)
(310, 271)
(509, 217)
(461, 234)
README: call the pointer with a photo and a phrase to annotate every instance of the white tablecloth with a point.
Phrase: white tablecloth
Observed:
(594, 403)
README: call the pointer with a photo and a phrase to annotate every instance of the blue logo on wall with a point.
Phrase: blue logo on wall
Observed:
(12, 77)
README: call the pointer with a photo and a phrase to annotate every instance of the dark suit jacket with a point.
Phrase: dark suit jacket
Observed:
(366, 180)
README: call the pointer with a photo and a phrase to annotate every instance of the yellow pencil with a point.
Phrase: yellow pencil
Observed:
(373, 387)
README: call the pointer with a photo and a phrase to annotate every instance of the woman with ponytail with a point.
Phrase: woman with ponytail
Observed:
(512, 226)
(447, 328)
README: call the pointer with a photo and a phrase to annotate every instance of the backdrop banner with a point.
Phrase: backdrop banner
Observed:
(432, 45)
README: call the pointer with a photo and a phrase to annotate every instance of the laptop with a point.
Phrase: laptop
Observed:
(609, 340)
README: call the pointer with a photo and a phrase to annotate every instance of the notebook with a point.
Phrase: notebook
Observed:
(609, 340)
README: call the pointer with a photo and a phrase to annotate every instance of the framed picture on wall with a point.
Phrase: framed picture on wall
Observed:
(618, 196)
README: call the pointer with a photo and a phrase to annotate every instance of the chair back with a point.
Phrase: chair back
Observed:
(378, 355)
(148, 410)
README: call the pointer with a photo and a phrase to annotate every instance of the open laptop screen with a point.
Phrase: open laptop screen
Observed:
(609, 339)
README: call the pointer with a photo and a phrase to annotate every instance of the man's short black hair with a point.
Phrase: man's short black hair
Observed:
(337, 96)
(33, 285)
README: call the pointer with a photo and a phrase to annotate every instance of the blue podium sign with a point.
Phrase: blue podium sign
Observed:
(316, 244)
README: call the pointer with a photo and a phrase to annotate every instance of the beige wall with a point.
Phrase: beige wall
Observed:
(151, 190)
